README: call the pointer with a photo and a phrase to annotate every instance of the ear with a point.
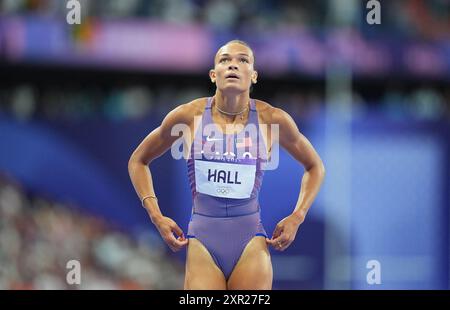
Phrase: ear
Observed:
(254, 77)
(212, 75)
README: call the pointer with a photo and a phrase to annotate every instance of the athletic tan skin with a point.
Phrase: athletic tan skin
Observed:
(254, 268)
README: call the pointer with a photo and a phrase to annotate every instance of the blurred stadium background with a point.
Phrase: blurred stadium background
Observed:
(75, 100)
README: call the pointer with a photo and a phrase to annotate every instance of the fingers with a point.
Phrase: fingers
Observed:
(277, 232)
(278, 239)
(176, 229)
(276, 243)
(179, 243)
(270, 241)
(280, 244)
(176, 244)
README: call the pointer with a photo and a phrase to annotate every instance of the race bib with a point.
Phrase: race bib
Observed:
(226, 180)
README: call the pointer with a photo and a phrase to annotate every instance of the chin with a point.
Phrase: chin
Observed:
(233, 90)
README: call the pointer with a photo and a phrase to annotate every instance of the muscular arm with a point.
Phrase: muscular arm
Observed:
(153, 146)
(301, 149)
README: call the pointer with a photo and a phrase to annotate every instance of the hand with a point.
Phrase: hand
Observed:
(167, 228)
(284, 233)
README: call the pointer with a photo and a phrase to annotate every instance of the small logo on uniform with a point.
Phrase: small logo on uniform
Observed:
(223, 190)
(209, 139)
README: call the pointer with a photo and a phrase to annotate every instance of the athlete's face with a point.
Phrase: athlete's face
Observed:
(233, 68)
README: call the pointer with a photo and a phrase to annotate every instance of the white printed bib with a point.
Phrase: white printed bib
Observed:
(227, 180)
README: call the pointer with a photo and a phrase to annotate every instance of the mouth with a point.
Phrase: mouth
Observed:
(232, 76)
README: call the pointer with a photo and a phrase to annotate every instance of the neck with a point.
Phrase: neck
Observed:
(231, 103)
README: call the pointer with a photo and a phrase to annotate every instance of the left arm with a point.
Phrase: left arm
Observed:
(301, 149)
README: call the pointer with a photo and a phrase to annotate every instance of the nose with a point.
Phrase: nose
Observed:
(233, 65)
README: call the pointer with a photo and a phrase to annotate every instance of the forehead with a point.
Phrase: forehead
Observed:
(234, 49)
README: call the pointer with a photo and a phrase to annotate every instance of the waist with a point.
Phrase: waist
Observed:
(224, 207)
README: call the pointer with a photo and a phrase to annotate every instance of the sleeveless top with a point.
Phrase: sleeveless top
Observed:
(224, 170)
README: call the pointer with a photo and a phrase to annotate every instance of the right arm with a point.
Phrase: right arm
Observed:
(153, 146)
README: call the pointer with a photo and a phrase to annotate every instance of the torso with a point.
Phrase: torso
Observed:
(226, 166)
(197, 108)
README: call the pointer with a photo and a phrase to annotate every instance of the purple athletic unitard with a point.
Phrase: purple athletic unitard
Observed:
(225, 183)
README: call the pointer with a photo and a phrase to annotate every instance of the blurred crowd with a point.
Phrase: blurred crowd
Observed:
(39, 236)
(421, 19)
(26, 102)
(418, 18)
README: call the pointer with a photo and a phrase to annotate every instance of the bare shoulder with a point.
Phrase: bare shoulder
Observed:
(196, 106)
(186, 112)
(269, 114)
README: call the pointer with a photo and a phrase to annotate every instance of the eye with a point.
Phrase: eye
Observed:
(244, 60)
(223, 60)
